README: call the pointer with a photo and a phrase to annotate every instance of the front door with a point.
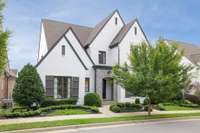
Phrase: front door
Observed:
(107, 90)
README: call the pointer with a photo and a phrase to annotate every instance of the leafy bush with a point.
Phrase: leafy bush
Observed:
(193, 98)
(28, 89)
(92, 99)
(51, 102)
(47, 109)
(125, 107)
(137, 101)
(146, 108)
(115, 109)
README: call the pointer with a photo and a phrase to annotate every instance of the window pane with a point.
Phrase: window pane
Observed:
(87, 84)
(49, 85)
(74, 87)
(63, 49)
(102, 57)
(135, 30)
(116, 21)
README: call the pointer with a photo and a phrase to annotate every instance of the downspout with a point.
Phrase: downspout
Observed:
(95, 80)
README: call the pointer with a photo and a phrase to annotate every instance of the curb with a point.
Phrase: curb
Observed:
(46, 129)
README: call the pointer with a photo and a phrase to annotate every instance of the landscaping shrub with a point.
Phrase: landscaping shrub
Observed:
(115, 109)
(146, 108)
(28, 90)
(47, 109)
(51, 102)
(193, 98)
(137, 101)
(125, 107)
(92, 99)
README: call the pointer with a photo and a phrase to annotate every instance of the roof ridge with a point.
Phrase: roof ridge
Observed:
(182, 42)
(44, 19)
(99, 26)
(115, 41)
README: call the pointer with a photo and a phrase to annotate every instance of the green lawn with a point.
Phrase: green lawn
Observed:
(174, 107)
(68, 112)
(21, 126)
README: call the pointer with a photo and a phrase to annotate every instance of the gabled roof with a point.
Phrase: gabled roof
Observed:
(99, 27)
(55, 29)
(121, 34)
(191, 51)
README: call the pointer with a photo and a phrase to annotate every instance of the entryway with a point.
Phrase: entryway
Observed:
(107, 89)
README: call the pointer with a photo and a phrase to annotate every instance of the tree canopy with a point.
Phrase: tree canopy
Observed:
(4, 35)
(154, 72)
(29, 88)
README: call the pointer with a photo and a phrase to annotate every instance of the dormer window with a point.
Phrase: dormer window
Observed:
(116, 20)
(135, 30)
(63, 50)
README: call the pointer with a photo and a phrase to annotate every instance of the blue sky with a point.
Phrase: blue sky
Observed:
(171, 19)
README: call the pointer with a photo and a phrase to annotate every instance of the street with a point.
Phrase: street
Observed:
(169, 126)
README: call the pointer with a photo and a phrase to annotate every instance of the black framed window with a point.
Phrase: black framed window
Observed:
(87, 84)
(135, 30)
(63, 50)
(102, 57)
(116, 20)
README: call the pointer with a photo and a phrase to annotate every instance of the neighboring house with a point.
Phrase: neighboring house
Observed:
(191, 56)
(7, 83)
(74, 60)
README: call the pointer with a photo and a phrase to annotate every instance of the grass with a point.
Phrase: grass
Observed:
(11, 127)
(67, 112)
(174, 107)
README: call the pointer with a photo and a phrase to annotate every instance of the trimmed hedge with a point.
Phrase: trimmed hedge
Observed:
(52, 102)
(92, 99)
(47, 109)
(125, 107)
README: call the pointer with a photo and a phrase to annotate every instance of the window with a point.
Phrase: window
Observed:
(102, 57)
(50, 86)
(116, 20)
(135, 30)
(74, 87)
(87, 84)
(63, 50)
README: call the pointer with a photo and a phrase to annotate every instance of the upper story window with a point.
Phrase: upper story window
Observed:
(102, 57)
(135, 30)
(63, 50)
(116, 20)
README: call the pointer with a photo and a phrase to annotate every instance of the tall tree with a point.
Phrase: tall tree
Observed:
(154, 72)
(28, 89)
(4, 35)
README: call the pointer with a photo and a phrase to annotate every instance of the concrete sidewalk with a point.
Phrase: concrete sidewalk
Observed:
(105, 114)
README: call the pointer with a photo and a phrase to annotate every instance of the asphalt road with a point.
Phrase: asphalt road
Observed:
(175, 126)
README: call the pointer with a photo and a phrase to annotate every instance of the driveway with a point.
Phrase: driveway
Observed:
(175, 126)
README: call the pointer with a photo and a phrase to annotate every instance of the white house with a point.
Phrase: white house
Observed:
(74, 60)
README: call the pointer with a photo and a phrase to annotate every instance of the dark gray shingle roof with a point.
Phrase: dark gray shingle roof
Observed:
(122, 33)
(191, 51)
(55, 29)
(97, 29)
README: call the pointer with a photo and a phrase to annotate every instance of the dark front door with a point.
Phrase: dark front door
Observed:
(104, 89)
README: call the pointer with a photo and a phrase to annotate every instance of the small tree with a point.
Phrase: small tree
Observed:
(4, 35)
(29, 89)
(154, 72)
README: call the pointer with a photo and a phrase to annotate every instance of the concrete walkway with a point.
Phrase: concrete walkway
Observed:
(105, 113)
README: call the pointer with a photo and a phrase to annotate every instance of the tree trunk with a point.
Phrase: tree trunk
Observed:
(149, 108)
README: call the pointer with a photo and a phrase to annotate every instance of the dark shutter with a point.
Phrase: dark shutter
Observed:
(50, 86)
(63, 50)
(74, 89)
